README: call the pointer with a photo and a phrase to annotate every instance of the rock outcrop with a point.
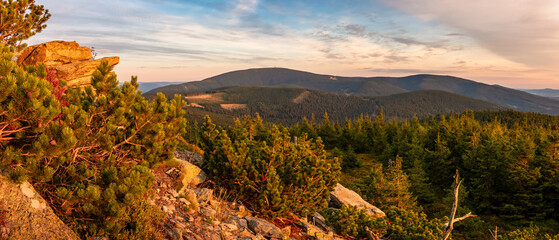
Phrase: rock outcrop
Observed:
(26, 215)
(342, 196)
(263, 227)
(72, 62)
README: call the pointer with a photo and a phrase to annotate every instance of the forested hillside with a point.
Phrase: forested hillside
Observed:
(508, 162)
(370, 87)
(509, 165)
(290, 105)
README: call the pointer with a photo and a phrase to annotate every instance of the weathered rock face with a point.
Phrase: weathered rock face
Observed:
(79, 73)
(261, 226)
(54, 53)
(342, 196)
(71, 62)
(27, 215)
(191, 157)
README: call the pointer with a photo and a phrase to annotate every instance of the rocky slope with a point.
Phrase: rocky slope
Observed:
(24, 214)
(195, 211)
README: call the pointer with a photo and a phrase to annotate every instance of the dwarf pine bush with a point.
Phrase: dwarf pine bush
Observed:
(87, 151)
(266, 169)
(399, 224)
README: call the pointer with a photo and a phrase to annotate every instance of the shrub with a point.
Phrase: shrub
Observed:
(398, 225)
(410, 224)
(266, 169)
(529, 233)
(353, 222)
(87, 151)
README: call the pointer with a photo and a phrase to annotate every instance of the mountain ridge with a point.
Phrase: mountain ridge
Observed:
(370, 86)
(289, 106)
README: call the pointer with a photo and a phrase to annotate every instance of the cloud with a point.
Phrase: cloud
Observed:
(524, 31)
(246, 5)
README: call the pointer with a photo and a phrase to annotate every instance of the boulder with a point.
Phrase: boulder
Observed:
(342, 196)
(71, 62)
(193, 175)
(261, 226)
(313, 232)
(191, 157)
(54, 53)
(319, 221)
(79, 73)
(27, 215)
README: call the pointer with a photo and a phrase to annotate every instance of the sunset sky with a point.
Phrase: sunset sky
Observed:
(513, 43)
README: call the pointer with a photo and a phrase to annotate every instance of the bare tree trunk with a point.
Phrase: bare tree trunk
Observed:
(450, 225)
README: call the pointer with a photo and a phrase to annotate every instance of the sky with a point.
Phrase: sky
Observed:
(512, 43)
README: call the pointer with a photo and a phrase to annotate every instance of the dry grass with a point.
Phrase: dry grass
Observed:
(194, 105)
(301, 97)
(204, 98)
(233, 106)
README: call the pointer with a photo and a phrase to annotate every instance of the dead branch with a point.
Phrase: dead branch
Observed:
(494, 233)
(461, 218)
(450, 225)
(371, 235)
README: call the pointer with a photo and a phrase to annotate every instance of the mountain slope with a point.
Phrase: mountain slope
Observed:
(290, 105)
(369, 87)
(510, 98)
(287, 78)
(146, 86)
(550, 93)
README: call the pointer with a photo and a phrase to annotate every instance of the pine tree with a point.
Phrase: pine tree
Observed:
(20, 20)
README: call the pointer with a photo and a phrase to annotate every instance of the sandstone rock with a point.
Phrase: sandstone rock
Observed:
(79, 73)
(71, 62)
(261, 226)
(173, 172)
(173, 193)
(28, 216)
(204, 194)
(243, 223)
(319, 221)
(230, 227)
(342, 196)
(54, 53)
(174, 233)
(286, 231)
(191, 157)
(193, 175)
(312, 232)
